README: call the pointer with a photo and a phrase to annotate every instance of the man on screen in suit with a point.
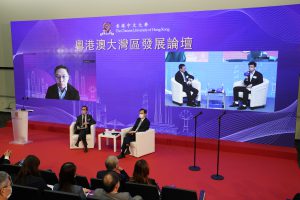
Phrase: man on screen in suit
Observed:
(62, 89)
(141, 124)
(253, 78)
(185, 79)
(82, 126)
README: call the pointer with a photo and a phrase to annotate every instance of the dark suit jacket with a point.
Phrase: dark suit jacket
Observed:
(102, 195)
(257, 79)
(4, 161)
(71, 94)
(123, 175)
(75, 189)
(144, 126)
(33, 181)
(89, 119)
(179, 78)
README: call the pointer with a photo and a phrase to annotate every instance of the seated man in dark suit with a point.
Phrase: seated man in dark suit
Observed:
(5, 157)
(62, 89)
(112, 165)
(83, 126)
(141, 124)
(185, 79)
(253, 78)
(110, 191)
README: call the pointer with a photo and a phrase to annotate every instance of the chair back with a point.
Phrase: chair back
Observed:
(171, 193)
(96, 183)
(148, 192)
(49, 177)
(59, 195)
(82, 181)
(25, 192)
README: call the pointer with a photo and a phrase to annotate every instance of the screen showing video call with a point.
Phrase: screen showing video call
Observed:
(216, 73)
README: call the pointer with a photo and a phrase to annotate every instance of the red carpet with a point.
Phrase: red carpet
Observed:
(251, 171)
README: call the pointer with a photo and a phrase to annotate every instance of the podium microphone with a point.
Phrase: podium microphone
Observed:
(24, 98)
(200, 113)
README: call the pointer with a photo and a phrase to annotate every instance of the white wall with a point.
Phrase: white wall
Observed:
(12, 10)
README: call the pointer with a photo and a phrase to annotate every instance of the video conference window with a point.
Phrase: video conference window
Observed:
(61, 76)
(232, 80)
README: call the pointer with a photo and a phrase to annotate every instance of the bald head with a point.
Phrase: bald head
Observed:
(111, 182)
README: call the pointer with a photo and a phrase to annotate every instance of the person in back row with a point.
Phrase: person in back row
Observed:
(110, 191)
(67, 181)
(29, 174)
(112, 165)
(141, 174)
(4, 159)
(5, 186)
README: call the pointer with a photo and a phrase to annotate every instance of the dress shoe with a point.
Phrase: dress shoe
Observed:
(191, 104)
(242, 108)
(77, 144)
(121, 156)
(85, 150)
(127, 152)
(234, 105)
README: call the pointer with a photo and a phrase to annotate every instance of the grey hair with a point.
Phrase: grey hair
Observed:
(111, 162)
(4, 178)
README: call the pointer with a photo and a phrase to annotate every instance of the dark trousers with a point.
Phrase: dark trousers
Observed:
(245, 91)
(126, 141)
(82, 136)
(188, 90)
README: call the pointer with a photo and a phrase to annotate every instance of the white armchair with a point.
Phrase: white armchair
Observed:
(144, 142)
(178, 93)
(90, 138)
(258, 95)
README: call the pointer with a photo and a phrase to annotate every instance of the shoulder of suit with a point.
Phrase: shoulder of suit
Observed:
(71, 88)
(258, 72)
(52, 87)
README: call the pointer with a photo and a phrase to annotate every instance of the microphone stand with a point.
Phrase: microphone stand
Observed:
(218, 176)
(23, 107)
(194, 167)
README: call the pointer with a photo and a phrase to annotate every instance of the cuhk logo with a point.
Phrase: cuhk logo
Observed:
(106, 29)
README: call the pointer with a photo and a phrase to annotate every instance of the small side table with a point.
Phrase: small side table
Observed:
(108, 135)
(223, 94)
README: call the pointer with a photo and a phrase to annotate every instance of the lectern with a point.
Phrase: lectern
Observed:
(20, 126)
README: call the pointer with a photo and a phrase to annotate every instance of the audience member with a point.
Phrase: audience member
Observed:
(67, 181)
(4, 159)
(111, 186)
(5, 186)
(141, 174)
(112, 164)
(29, 174)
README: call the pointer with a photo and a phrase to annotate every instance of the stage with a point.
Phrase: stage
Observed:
(251, 171)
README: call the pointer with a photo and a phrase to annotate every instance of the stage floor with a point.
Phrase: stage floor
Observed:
(246, 176)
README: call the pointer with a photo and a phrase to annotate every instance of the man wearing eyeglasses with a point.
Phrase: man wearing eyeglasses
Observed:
(83, 125)
(62, 89)
(5, 186)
